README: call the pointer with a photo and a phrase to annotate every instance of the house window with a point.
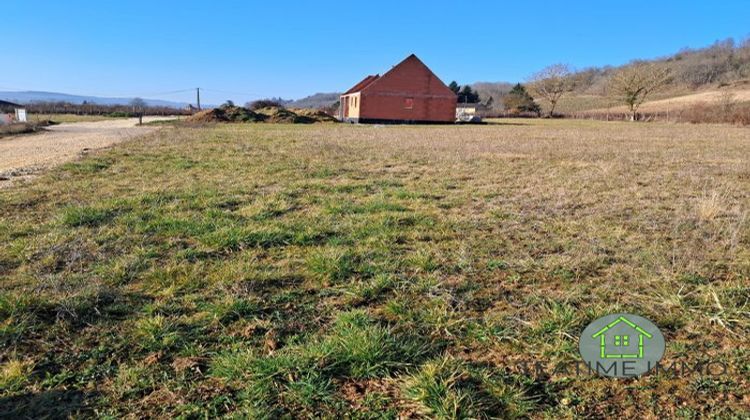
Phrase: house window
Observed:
(622, 340)
(408, 103)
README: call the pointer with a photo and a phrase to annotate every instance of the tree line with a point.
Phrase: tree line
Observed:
(136, 107)
(516, 101)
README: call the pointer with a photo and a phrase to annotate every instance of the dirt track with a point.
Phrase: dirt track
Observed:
(22, 156)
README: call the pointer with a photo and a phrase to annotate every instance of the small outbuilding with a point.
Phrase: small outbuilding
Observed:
(408, 93)
(469, 112)
(10, 112)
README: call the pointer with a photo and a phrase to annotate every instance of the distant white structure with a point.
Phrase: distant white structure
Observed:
(468, 112)
(10, 113)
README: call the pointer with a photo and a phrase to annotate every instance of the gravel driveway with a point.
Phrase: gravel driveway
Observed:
(22, 156)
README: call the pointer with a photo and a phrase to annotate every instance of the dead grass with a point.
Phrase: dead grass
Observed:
(337, 270)
(16, 129)
(70, 118)
(710, 206)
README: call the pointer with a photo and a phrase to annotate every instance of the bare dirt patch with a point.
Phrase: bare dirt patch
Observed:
(23, 156)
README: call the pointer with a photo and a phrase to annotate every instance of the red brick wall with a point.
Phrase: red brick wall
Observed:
(391, 107)
(385, 99)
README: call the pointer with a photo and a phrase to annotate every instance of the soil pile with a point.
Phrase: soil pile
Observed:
(275, 114)
(315, 114)
(270, 114)
(226, 114)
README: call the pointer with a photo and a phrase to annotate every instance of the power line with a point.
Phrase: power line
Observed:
(231, 93)
(172, 92)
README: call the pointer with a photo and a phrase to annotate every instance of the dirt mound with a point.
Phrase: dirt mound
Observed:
(275, 114)
(315, 114)
(239, 114)
(226, 114)
(207, 116)
(270, 114)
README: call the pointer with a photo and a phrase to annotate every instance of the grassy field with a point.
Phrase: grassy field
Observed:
(671, 99)
(70, 118)
(371, 272)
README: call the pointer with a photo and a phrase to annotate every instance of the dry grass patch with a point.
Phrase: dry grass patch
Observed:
(343, 271)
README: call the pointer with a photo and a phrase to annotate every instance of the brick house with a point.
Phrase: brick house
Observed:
(408, 93)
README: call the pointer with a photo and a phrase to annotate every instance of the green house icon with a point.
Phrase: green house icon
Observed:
(621, 339)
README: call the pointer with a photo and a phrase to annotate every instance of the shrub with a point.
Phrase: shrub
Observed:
(738, 113)
(121, 114)
(264, 103)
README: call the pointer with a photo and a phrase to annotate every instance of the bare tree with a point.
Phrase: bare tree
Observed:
(139, 105)
(633, 84)
(551, 83)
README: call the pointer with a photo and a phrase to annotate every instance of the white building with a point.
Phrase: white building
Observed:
(10, 112)
(469, 112)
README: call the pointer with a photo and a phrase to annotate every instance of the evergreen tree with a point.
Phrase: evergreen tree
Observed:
(465, 94)
(468, 95)
(518, 100)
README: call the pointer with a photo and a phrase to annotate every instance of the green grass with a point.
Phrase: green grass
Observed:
(270, 271)
(447, 388)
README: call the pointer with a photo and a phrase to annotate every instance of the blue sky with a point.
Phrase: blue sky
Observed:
(243, 50)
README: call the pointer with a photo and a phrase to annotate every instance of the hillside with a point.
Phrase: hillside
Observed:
(318, 100)
(709, 97)
(26, 97)
(698, 75)
(721, 64)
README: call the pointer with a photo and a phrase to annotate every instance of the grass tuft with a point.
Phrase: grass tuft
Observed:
(85, 216)
(331, 265)
(448, 388)
(14, 374)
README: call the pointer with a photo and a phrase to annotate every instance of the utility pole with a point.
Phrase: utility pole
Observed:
(198, 96)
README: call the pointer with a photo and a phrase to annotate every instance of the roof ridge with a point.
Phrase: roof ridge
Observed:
(399, 64)
(368, 80)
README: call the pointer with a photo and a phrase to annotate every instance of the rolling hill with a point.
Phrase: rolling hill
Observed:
(699, 75)
(26, 97)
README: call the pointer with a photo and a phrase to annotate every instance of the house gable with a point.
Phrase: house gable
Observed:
(409, 92)
(410, 76)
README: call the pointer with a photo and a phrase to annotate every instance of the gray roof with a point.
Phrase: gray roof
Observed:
(9, 104)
